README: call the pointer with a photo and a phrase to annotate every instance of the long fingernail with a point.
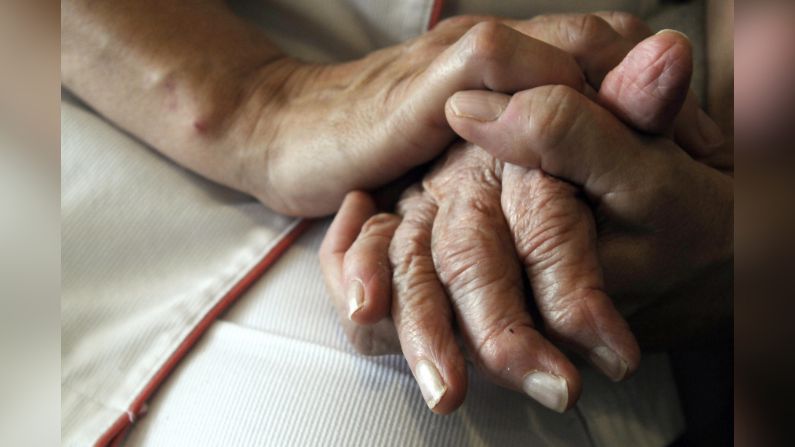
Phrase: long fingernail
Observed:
(710, 132)
(477, 105)
(549, 390)
(431, 384)
(609, 363)
(355, 297)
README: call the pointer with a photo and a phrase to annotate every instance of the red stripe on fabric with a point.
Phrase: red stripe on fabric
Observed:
(436, 13)
(118, 430)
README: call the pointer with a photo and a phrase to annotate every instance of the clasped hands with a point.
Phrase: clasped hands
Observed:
(575, 180)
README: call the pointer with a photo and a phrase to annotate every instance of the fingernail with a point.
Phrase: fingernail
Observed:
(609, 363)
(710, 132)
(355, 297)
(477, 105)
(549, 390)
(673, 31)
(431, 384)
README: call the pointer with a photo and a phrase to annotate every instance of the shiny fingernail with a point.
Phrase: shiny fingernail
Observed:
(609, 363)
(431, 384)
(355, 297)
(477, 105)
(710, 132)
(673, 31)
(549, 390)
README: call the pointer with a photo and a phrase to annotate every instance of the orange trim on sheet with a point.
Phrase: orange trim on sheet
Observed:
(436, 13)
(118, 430)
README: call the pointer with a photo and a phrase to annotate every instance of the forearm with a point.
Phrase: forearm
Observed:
(172, 72)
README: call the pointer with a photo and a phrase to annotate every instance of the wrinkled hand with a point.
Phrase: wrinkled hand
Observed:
(460, 206)
(330, 129)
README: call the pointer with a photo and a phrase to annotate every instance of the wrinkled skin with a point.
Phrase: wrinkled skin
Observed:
(375, 118)
(470, 225)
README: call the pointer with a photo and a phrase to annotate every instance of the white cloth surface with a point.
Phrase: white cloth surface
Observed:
(148, 248)
(277, 370)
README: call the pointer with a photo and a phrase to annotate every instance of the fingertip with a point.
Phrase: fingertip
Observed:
(367, 272)
(443, 384)
(368, 303)
(649, 87)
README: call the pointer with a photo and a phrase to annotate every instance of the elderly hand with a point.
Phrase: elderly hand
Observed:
(474, 256)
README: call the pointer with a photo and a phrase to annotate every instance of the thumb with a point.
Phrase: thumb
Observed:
(648, 88)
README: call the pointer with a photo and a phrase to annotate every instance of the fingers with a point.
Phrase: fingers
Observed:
(558, 130)
(376, 339)
(421, 310)
(473, 254)
(648, 88)
(599, 42)
(491, 56)
(556, 240)
(367, 274)
(593, 43)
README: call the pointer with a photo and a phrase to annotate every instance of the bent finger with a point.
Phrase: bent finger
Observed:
(600, 42)
(421, 310)
(377, 339)
(555, 238)
(367, 274)
(473, 254)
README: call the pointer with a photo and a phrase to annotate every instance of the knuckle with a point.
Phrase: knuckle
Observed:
(586, 31)
(491, 346)
(457, 254)
(380, 225)
(487, 42)
(408, 246)
(543, 247)
(569, 316)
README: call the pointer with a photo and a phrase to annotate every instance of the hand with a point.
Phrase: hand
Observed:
(329, 129)
(470, 212)
(225, 102)
(375, 118)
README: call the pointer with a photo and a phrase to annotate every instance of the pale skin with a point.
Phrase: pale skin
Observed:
(226, 103)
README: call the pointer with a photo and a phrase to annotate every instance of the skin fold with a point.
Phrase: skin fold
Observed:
(463, 236)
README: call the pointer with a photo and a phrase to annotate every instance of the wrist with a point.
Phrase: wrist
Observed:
(262, 127)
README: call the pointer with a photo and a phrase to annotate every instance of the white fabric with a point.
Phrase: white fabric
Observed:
(148, 248)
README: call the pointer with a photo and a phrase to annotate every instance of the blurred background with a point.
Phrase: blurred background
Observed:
(29, 223)
(764, 222)
(764, 102)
